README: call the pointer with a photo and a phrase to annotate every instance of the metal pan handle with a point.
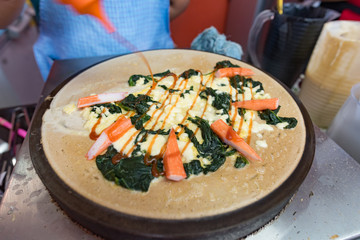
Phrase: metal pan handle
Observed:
(254, 34)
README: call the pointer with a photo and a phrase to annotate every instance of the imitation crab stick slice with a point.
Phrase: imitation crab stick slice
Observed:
(108, 136)
(227, 134)
(174, 168)
(100, 98)
(118, 128)
(258, 104)
(99, 146)
(231, 72)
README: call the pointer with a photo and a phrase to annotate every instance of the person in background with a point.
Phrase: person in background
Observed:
(9, 11)
(64, 34)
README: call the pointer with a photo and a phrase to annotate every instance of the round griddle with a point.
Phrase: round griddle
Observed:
(114, 224)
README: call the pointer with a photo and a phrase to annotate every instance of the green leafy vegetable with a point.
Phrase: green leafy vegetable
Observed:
(187, 91)
(139, 120)
(139, 104)
(231, 152)
(112, 108)
(173, 90)
(134, 78)
(163, 74)
(145, 132)
(225, 64)
(104, 164)
(193, 167)
(221, 101)
(137, 151)
(189, 73)
(271, 117)
(241, 162)
(130, 173)
(134, 174)
(164, 87)
(241, 111)
(211, 148)
(236, 82)
(249, 82)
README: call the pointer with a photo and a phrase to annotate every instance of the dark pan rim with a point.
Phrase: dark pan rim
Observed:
(107, 222)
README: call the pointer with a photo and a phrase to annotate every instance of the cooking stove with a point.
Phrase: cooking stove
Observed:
(14, 123)
(326, 205)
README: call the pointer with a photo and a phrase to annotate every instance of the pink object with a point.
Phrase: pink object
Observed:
(21, 132)
(100, 145)
(101, 98)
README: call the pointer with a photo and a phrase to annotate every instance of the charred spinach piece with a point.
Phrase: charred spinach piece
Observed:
(241, 162)
(187, 91)
(130, 173)
(163, 74)
(193, 167)
(163, 87)
(222, 99)
(249, 82)
(134, 78)
(241, 111)
(139, 104)
(139, 120)
(112, 107)
(225, 64)
(145, 132)
(236, 82)
(189, 73)
(211, 147)
(104, 164)
(147, 78)
(271, 117)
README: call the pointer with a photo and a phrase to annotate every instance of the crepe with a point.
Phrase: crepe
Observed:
(66, 141)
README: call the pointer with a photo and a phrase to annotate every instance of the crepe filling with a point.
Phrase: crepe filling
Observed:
(197, 108)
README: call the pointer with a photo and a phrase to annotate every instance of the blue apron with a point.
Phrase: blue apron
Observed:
(64, 34)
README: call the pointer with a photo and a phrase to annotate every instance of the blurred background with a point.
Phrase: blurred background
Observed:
(20, 80)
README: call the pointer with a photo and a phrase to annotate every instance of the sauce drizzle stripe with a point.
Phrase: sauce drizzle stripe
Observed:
(195, 99)
(137, 132)
(149, 121)
(168, 114)
(248, 139)
(93, 135)
(236, 109)
(251, 118)
(211, 79)
(241, 117)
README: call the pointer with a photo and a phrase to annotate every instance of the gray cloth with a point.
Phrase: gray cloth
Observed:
(211, 41)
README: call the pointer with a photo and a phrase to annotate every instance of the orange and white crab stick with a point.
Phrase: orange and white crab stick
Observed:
(101, 98)
(227, 134)
(108, 136)
(232, 71)
(258, 104)
(173, 165)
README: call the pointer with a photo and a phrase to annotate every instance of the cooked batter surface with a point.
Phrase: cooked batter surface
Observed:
(66, 132)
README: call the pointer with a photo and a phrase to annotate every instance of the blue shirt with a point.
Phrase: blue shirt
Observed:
(65, 34)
